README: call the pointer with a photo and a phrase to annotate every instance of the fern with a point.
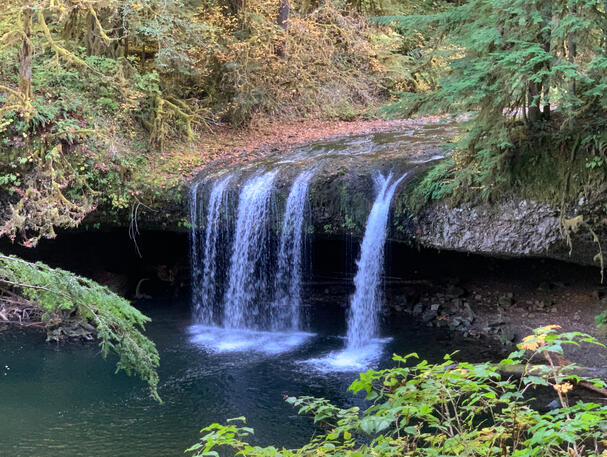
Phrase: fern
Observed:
(63, 296)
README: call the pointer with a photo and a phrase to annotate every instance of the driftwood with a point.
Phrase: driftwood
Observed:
(18, 310)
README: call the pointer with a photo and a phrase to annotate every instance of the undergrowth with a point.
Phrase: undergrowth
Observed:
(548, 169)
(448, 409)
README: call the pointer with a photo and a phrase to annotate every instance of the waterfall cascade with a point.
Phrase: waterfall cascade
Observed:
(286, 309)
(365, 305)
(251, 301)
(195, 246)
(363, 346)
(207, 290)
(254, 300)
(248, 275)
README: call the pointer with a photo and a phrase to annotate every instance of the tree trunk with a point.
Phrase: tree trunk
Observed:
(548, 15)
(546, 105)
(26, 54)
(571, 55)
(605, 30)
(535, 113)
(283, 21)
(102, 36)
(89, 36)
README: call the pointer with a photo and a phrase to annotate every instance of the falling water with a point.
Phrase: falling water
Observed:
(286, 310)
(365, 305)
(195, 251)
(205, 275)
(261, 312)
(363, 346)
(246, 276)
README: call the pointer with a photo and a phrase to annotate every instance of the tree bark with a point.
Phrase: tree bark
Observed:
(26, 54)
(571, 55)
(535, 113)
(283, 22)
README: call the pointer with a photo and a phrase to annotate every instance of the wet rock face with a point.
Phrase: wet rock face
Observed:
(342, 193)
(506, 228)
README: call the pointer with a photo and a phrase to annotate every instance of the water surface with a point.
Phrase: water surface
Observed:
(65, 400)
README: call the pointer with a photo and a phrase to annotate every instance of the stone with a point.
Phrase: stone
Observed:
(455, 322)
(441, 323)
(518, 228)
(468, 313)
(506, 335)
(429, 316)
(497, 323)
(455, 306)
(506, 301)
(454, 291)
(554, 404)
(435, 307)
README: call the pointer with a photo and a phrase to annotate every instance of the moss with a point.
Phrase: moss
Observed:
(340, 201)
(558, 178)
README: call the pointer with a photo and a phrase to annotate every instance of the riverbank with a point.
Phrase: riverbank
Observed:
(233, 146)
(504, 299)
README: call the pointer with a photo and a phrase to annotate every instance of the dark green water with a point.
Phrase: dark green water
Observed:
(65, 400)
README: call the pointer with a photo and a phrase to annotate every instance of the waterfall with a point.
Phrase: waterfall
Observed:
(196, 246)
(260, 291)
(286, 308)
(365, 304)
(205, 267)
(247, 275)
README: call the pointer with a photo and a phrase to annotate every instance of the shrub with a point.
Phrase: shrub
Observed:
(448, 409)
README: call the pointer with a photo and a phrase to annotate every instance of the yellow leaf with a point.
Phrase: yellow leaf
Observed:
(563, 388)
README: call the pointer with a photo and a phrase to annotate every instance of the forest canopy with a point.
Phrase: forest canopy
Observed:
(531, 75)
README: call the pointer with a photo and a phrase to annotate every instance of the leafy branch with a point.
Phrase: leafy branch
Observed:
(64, 297)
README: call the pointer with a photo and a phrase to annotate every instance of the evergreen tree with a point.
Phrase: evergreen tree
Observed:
(532, 72)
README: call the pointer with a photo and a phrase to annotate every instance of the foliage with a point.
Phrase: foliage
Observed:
(531, 72)
(324, 55)
(64, 297)
(447, 409)
(93, 93)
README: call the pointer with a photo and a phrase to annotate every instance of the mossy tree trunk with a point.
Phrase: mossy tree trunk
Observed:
(539, 91)
(26, 54)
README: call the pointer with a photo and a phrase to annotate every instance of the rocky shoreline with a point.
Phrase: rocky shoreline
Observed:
(507, 311)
